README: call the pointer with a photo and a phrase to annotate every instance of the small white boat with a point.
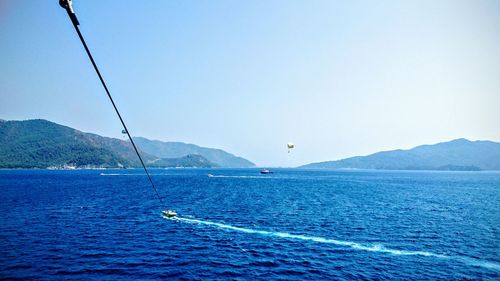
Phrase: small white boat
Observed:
(169, 213)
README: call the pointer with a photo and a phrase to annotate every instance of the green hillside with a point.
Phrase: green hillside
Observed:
(180, 149)
(460, 154)
(41, 144)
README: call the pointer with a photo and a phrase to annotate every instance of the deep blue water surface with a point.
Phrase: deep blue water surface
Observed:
(238, 224)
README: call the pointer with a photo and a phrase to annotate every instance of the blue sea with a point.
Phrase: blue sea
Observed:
(238, 224)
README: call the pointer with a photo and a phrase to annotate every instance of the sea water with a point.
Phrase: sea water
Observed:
(237, 224)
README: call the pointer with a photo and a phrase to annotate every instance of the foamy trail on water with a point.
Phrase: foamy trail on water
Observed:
(119, 174)
(357, 246)
(241, 177)
(210, 176)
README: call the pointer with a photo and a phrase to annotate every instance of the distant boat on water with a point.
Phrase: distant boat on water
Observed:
(266, 171)
(169, 213)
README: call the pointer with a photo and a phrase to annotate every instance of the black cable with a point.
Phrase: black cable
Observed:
(67, 5)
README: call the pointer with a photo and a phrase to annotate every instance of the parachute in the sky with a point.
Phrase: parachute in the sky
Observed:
(290, 146)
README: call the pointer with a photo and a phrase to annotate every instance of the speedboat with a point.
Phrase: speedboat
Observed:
(169, 213)
(265, 172)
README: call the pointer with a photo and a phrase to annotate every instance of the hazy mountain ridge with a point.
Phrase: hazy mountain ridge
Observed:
(41, 144)
(179, 149)
(190, 160)
(459, 154)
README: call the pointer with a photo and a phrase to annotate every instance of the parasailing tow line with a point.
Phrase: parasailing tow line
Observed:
(68, 6)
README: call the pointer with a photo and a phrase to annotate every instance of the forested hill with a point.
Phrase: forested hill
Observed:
(179, 149)
(459, 154)
(42, 144)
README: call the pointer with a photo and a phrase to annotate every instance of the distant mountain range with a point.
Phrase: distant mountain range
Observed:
(459, 154)
(178, 149)
(44, 144)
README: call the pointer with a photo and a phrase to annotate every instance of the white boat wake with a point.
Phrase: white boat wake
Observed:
(241, 177)
(125, 174)
(356, 246)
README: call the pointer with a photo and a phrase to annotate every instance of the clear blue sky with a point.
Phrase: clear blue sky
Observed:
(337, 78)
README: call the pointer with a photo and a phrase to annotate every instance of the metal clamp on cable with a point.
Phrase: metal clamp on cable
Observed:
(68, 6)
